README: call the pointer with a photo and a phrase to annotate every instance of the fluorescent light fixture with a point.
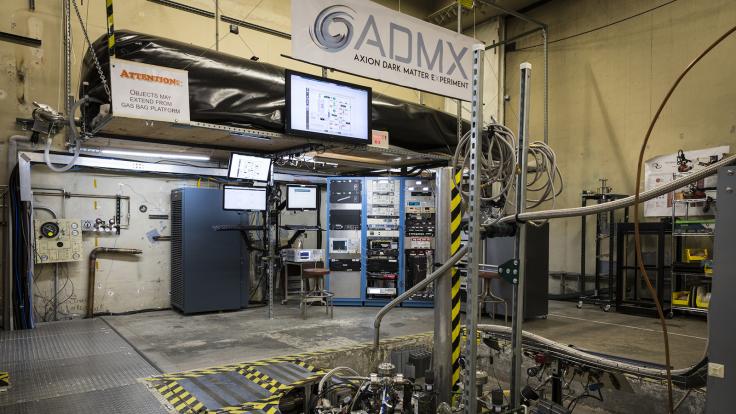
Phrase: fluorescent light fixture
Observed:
(149, 154)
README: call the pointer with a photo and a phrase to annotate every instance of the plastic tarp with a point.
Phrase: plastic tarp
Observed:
(230, 90)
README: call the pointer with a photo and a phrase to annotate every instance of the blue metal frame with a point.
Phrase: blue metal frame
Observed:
(364, 242)
(401, 282)
(409, 303)
(347, 301)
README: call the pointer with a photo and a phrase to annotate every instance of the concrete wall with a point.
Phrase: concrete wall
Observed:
(605, 86)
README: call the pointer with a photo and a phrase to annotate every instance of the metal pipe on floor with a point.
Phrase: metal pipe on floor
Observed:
(414, 289)
(93, 268)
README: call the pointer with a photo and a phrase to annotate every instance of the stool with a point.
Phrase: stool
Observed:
(318, 294)
(487, 296)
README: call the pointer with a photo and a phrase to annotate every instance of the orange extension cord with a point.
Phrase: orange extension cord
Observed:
(637, 238)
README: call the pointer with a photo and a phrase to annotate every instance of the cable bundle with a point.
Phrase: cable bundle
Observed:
(498, 168)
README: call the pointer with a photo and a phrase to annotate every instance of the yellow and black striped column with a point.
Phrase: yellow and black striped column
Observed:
(4, 379)
(455, 230)
(110, 29)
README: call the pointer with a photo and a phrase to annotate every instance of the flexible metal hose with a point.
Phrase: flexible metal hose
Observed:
(612, 364)
(623, 202)
(414, 289)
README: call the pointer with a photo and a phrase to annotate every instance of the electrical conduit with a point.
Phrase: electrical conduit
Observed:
(93, 268)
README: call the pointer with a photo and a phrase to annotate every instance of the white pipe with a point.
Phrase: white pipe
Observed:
(13, 150)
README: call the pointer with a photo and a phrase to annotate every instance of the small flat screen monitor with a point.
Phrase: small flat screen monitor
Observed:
(301, 197)
(248, 167)
(244, 198)
(326, 108)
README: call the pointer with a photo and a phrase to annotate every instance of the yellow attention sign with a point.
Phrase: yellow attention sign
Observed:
(468, 4)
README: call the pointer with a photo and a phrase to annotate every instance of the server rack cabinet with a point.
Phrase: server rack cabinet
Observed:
(536, 291)
(208, 268)
(383, 244)
(345, 253)
(419, 224)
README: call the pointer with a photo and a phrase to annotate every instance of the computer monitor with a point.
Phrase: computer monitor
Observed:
(301, 197)
(248, 167)
(243, 198)
(327, 109)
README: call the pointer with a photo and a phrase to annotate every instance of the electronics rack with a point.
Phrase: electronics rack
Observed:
(383, 273)
(345, 234)
(381, 238)
(419, 236)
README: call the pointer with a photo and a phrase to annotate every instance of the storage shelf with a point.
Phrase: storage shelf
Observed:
(690, 309)
(690, 274)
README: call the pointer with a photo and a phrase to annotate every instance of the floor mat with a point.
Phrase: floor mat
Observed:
(250, 387)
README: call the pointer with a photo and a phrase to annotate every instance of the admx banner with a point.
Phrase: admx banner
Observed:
(363, 38)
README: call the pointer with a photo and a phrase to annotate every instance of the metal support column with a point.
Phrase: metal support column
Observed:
(217, 25)
(110, 28)
(442, 361)
(272, 240)
(459, 102)
(518, 289)
(470, 391)
(68, 96)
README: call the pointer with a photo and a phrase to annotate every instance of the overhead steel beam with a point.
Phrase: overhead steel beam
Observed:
(223, 18)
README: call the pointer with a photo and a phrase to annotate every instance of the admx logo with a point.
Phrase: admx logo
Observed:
(320, 31)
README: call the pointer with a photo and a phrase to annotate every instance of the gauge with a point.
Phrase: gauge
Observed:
(49, 229)
(75, 226)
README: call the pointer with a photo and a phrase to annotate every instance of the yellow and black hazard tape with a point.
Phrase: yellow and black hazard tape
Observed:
(270, 405)
(184, 402)
(263, 380)
(455, 237)
(4, 379)
(179, 398)
(110, 29)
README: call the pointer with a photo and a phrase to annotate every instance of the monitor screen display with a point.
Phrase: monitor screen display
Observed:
(327, 108)
(244, 198)
(248, 167)
(301, 197)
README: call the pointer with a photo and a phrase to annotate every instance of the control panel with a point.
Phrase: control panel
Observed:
(419, 233)
(58, 241)
(383, 197)
(348, 191)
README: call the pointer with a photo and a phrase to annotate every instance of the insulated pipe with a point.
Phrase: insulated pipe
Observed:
(92, 269)
(414, 289)
(622, 202)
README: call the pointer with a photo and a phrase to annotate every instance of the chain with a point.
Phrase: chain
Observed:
(92, 50)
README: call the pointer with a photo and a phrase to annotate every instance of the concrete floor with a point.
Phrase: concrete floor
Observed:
(173, 342)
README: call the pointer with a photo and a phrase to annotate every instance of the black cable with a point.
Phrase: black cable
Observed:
(599, 27)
